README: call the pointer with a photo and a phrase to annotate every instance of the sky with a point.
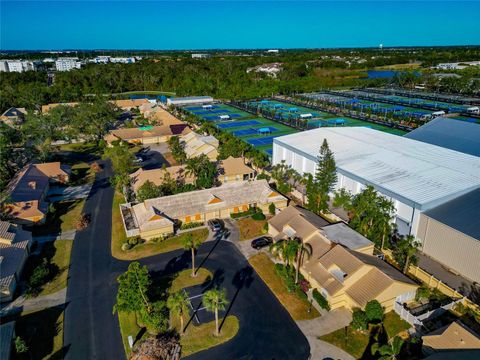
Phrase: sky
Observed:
(180, 25)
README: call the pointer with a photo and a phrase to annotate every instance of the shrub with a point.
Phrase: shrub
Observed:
(374, 311)
(263, 176)
(83, 221)
(271, 209)
(191, 225)
(133, 240)
(265, 228)
(156, 320)
(126, 246)
(258, 216)
(96, 167)
(359, 320)
(40, 273)
(321, 300)
(304, 285)
(20, 345)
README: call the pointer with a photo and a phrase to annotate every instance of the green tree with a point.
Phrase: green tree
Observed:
(286, 249)
(271, 209)
(203, 170)
(390, 350)
(122, 162)
(359, 320)
(191, 243)
(20, 345)
(215, 300)
(178, 304)
(177, 149)
(405, 251)
(133, 287)
(304, 250)
(374, 311)
(148, 191)
(155, 317)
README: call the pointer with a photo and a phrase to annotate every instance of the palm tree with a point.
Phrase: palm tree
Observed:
(286, 249)
(409, 247)
(390, 351)
(178, 303)
(304, 249)
(215, 300)
(191, 243)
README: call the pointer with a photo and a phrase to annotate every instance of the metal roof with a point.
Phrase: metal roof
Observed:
(449, 133)
(419, 174)
(460, 214)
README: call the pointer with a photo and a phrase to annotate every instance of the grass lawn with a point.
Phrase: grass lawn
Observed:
(353, 342)
(184, 279)
(83, 148)
(394, 324)
(43, 333)
(250, 228)
(81, 174)
(57, 254)
(296, 306)
(128, 327)
(64, 218)
(201, 337)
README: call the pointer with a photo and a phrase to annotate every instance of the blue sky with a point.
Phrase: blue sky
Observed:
(235, 24)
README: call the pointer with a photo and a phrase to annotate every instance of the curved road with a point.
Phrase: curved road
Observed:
(91, 330)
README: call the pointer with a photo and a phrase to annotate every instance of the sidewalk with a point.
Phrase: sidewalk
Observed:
(66, 235)
(22, 304)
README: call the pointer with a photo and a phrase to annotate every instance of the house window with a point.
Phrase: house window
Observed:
(235, 210)
(198, 217)
(188, 219)
(244, 208)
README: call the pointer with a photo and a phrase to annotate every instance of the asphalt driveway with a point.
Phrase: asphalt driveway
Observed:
(91, 330)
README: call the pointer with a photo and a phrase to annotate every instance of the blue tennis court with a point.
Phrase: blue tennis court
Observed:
(267, 140)
(238, 124)
(245, 132)
(204, 112)
(195, 108)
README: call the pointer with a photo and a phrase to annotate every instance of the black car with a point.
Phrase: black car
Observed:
(261, 242)
(215, 225)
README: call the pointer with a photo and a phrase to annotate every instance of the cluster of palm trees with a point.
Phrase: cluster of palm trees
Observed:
(214, 300)
(292, 250)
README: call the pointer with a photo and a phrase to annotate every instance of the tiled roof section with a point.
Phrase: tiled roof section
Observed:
(452, 337)
(233, 166)
(137, 133)
(5, 232)
(369, 286)
(157, 176)
(196, 202)
(127, 104)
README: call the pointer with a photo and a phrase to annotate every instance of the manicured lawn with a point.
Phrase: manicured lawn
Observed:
(118, 231)
(184, 279)
(353, 342)
(201, 337)
(250, 228)
(128, 327)
(63, 218)
(394, 324)
(81, 174)
(43, 333)
(57, 254)
(296, 306)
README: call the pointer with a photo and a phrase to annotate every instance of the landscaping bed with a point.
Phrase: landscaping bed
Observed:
(298, 306)
(250, 228)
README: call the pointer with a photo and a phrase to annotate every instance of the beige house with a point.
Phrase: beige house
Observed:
(13, 116)
(342, 267)
(234, 169)
(147, 134)
(450, 235)
(157, 176)
(196, 144)
(26, 192)
(129, 104)
(455, 336)
(158, 217)
(15, 245)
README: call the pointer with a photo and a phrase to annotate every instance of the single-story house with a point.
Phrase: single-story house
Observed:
(147, 134)
(15, 246)
(157, 176)
(455, 336)
(196, 144)
(342, 266)
(27, 190)
(13, 116)
(48, 107)
(158, 217)
(234, 169)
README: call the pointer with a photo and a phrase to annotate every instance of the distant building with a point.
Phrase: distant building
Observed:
(234, 169)
(196, 145)
(457, 65)
(18, 65)
(15, 246)
(130, 104)
(270, 69)
(101, 60)
(13, 116)
(201, 56)
(123, 60)
(414, 175)
(273, 51)
(67, 64)
(27, 191)
(189, 100)
(161, 216)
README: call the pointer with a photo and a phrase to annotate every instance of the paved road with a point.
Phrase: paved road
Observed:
(92, 332)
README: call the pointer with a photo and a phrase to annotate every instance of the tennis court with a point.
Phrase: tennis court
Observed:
(267, 140)
(238, 124)
(197, 108)
(253, 131)
(217, 112)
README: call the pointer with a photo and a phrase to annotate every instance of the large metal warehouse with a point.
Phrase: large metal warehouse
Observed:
(417, 176)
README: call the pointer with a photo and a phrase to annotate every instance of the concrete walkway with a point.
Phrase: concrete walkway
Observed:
(23, 304)
(66, 235)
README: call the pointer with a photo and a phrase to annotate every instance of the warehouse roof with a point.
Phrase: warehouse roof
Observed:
(414, 172)
(460, 214)
(449, 133)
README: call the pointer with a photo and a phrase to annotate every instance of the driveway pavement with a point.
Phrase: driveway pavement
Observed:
(91, 331)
